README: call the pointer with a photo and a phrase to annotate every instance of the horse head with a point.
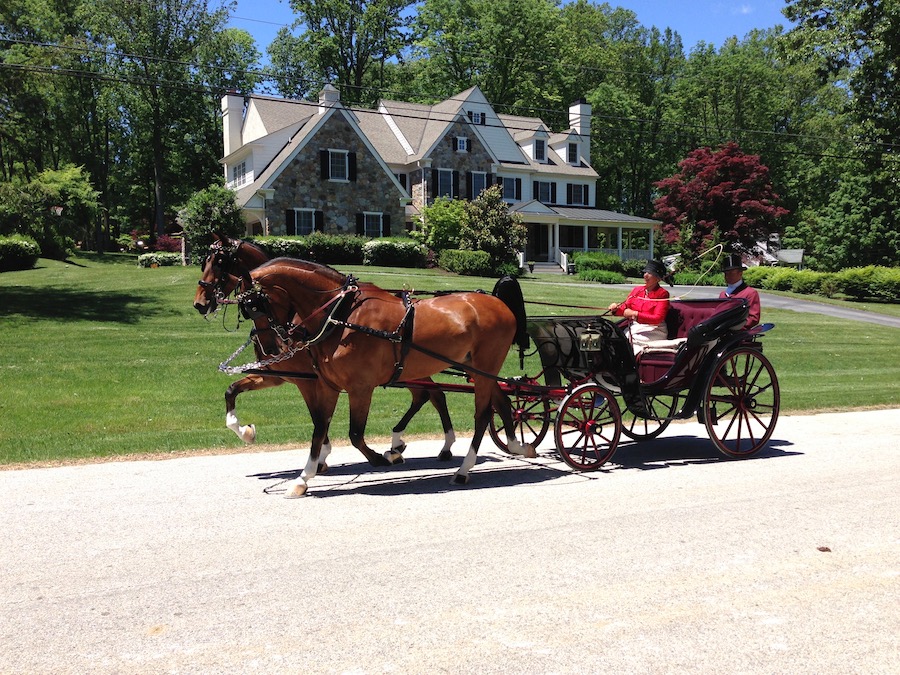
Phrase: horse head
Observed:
(227, 265)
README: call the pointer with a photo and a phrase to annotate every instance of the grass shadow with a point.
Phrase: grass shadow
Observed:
(76, 305)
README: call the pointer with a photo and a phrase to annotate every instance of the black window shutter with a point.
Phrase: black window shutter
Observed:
(402, 178)
(435, 186)
(496, 180)
(386, 225)
(469, 113)
(323, 164)
(586, 195)
(468, 145)
(351, 165)
(518, 189)
(455, 184)
(290, 222)
(490, 180)
(534, 191)
(552, 193)
(569, 188)
(319, 224)
(469, 185)
(483, 119)
(360, 223)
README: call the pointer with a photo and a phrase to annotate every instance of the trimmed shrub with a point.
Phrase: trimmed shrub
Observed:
(335, 249)
(886, 284)
(159, 259)
(780, 280)
(633, 268)
(283, 247)
(18, 253)
(755, 275)
(856, 281)
(594, 260)
(807, 282)
(394, 252)
(469, 263)
(601, 276)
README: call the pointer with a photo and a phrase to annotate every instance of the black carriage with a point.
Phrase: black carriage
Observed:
(593, 388)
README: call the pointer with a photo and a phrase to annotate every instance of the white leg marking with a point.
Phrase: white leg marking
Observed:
(462, 474)
(245, 433)
(298, 487)
(397, 440)
(517, 448)
(449, 440)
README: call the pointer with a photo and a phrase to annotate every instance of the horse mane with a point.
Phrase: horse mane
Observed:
(277, 264)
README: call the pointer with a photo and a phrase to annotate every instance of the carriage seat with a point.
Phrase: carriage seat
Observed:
(691, 323)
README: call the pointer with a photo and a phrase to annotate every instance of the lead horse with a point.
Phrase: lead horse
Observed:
(360, 336)
(226, 269)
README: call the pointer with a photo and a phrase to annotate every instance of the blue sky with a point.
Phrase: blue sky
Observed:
(712, 21)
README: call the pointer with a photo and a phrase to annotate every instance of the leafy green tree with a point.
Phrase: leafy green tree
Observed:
(488, 226)
(210, 210)
(345, 43)
(439, 224)
(717, 196)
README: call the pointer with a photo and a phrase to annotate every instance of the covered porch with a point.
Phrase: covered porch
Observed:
(556, 232)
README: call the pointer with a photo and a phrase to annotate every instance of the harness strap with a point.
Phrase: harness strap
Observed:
(406, 331)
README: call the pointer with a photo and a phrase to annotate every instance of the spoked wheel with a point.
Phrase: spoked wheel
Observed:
(660, 411)
(531, 419)
(588, 426)
(741, 403)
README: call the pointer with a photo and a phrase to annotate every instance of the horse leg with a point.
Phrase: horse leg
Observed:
(500, 403)
(307, 390)
(439, 401)
(246, 433)
(482, 419)
(321, 403)
(359, 402)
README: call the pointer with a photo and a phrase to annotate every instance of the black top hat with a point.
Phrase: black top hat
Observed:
(733, 262)
(656, 268)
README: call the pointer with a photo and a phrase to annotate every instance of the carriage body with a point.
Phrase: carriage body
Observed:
(710, 366)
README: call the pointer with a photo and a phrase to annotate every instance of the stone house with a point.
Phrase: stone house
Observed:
(299, 166)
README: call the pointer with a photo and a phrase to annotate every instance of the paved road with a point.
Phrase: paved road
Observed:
(672, 560)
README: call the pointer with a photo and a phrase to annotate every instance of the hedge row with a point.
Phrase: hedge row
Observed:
(601, 276)
(859, 283)
(159, 259)
(342, 249)
(469, 263)
(18, 253)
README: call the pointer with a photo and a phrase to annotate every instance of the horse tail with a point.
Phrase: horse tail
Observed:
(509, 291)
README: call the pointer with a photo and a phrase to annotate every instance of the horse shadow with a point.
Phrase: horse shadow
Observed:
(425, 476)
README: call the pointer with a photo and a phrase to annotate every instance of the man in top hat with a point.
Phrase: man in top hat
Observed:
(646, 306)
(736, 287)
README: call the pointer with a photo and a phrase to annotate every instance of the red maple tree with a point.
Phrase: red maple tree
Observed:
(717, 196)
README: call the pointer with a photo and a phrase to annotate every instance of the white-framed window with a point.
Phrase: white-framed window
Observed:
(462, 144)
(372, 224)
(445, 183)
(476, 117)
(543, 191)
(239, 175)
(338, 165)
(479, 183)
(577, 194)
(300, 221)
(540, 150)
(573, 153)
(509, 189)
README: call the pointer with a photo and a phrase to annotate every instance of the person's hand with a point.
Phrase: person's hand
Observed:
(613, 306)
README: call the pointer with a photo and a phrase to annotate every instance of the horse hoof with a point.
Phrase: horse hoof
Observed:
(445, 456)
(393, 456)
(321, 468)
(248, 434)
(379, 460)
(459, 480)
(296, 491)
(530, 452)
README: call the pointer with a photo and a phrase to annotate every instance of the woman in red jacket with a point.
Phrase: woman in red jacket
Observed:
(646, 306)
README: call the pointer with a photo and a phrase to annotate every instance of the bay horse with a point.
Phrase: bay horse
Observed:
(227, 269)
(360, 337)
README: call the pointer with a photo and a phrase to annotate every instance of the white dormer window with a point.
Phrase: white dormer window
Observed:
(463, 144)
(476, 117)
(573, 153)
(239, 175)
(540, 150)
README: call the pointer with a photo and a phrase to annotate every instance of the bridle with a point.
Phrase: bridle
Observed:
(221, 260)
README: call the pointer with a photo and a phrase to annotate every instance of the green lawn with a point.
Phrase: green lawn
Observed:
(101, 358)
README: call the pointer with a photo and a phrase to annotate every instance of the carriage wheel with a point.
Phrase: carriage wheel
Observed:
(741, 404)
(661, 408)
(531, 420)
(588, 427)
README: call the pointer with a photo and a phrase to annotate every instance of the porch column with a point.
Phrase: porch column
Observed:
(651, 244)
(584, 238)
